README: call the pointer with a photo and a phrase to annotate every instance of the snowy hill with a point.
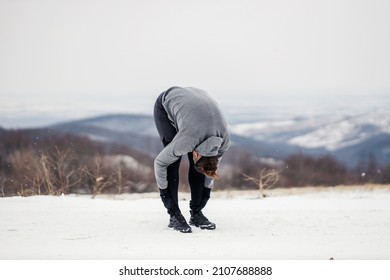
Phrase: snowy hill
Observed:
(117, 123)
(135, 131)
(346, 131)
(350, 138)
(330, 133)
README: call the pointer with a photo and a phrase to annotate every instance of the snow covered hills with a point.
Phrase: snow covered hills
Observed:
(351, 139)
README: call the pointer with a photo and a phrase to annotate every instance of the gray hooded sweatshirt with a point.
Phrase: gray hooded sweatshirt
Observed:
(200, 126)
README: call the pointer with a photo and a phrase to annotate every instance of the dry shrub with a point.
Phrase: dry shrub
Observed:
(266, 180)
(39, 162)
(45, 173)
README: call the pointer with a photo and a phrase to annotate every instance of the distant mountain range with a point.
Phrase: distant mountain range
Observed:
(135, 131)
(350, 139)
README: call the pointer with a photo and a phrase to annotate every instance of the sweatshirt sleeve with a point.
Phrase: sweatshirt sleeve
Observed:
(179, 146)
(225, 145)
(209, 182)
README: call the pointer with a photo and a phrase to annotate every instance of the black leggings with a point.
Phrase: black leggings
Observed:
(167, 132)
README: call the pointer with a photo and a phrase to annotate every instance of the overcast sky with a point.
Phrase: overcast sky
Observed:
(75, 58)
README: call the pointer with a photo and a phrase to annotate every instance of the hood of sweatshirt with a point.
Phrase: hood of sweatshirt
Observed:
(209, 147)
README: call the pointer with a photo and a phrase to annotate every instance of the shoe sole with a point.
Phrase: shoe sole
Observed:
(184, 231)
(188, 230)
(208, 227)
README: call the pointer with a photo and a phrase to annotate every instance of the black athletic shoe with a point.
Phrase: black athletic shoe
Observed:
(178, 222)
(199, 220)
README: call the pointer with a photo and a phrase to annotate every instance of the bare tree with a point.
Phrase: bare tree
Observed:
(95, 174)
(64, 173)
(267, 179)
(3, 179)
(47, 173)
(25, 162)
(56, 173)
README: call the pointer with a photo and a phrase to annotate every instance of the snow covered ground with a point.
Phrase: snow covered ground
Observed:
(346, 223)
